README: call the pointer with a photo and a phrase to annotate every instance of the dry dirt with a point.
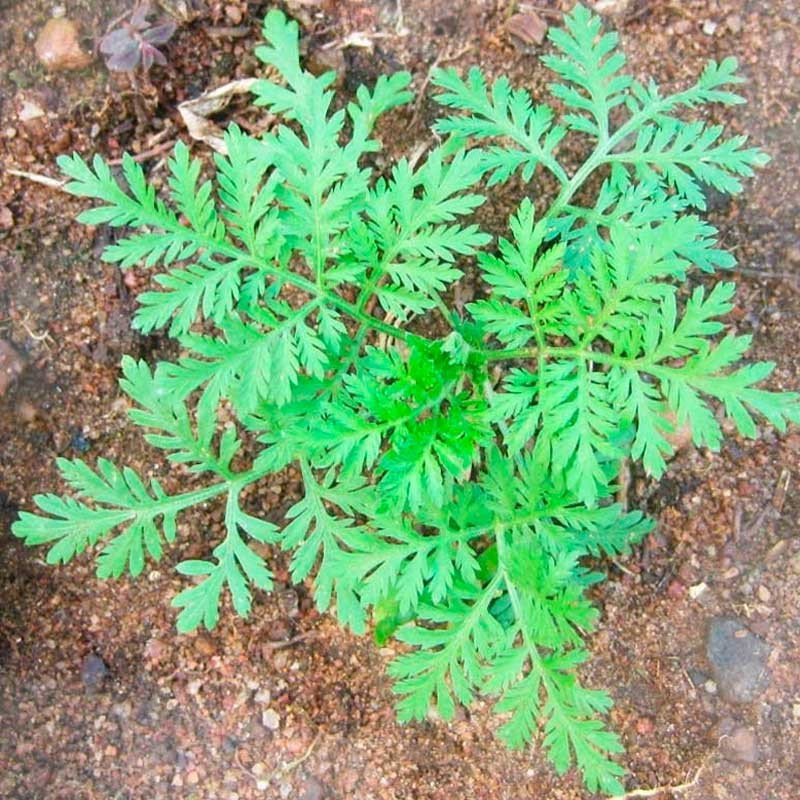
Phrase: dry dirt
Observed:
(286, 705)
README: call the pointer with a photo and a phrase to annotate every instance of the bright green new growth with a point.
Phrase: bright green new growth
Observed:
(454, 485)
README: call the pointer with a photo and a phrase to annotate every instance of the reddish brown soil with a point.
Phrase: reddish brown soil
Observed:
(286, 705)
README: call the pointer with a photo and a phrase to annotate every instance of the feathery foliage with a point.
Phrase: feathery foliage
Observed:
(453, 487)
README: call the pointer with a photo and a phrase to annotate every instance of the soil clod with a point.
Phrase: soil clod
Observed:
(11, 365)
(94, 672)
(741, 746)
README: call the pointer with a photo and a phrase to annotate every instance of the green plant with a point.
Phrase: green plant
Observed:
(453, 485)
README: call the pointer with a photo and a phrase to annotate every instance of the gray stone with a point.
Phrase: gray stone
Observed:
(270, 719)
(738, 660)
(740, 746)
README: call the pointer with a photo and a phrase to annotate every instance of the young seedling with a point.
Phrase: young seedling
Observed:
(453, 486)
(135, 42)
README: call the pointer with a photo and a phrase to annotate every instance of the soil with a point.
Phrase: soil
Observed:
(100, 699)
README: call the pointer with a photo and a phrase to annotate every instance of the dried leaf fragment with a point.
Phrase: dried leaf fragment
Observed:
(196, 112)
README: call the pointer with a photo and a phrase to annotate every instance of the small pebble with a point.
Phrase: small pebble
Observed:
(30, 110)
(777, 550)
(155, 650)
(270, 719)
(733, 23)
(644, 726)
(262, 697)
(233, 13)
(697, 590)
(6, 218)
(710, 686)
(611, 6)
(709, 27)
(204, 646)
(58, 47)
(764, 594)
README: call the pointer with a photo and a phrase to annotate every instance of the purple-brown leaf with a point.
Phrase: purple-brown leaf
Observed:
(160, 34)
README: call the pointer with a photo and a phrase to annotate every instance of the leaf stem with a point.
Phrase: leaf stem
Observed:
(602, 152)
(563, 352)
(228, 250)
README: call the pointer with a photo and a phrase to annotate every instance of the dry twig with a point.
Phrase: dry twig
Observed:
(45, 180)
(657, 790)
(145, 154)
(281, 772)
